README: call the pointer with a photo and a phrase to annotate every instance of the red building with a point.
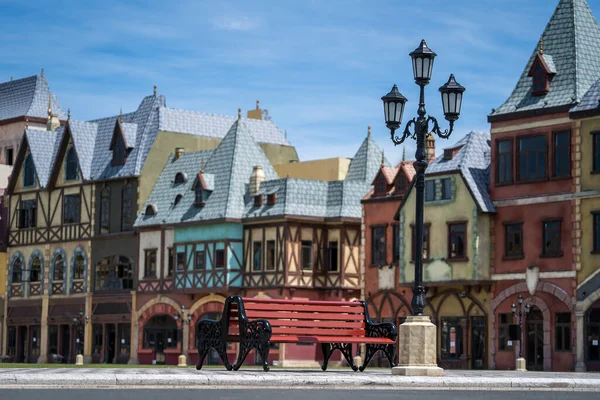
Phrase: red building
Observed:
(532, 189)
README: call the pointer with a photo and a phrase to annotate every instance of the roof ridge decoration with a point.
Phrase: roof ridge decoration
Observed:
(570, 39)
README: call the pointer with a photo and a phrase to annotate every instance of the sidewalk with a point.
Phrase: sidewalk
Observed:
(282, 378)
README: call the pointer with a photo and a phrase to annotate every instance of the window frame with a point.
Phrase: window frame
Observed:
(257, 264)
(557, 252)
(105, 197)
(449, 189)
(515, 256)
(71, 165)
(304, 245)
(463, 257)
(504, 332)
(69, 208)
(426, 237)
(333, 249)
(270, 266)
(28, 216)
(223, 253)
(508, 157)
(565, 346)
(177, 259)
(28, 172)
(427, 199)
(396, 243)
(148, 263)
(596, 232)
(127, 223)
(381, 185)
(521, 179)
(171, 261)
(12, 271)
(595, 152)
(555, 151)
(378, 258)
(200, 256)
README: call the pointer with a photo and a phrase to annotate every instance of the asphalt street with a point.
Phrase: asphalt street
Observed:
(285, 394)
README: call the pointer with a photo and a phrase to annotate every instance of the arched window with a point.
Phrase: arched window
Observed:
(58, 268)
(177, 199)
(105, 210)
(17, 271)
(126, 208)
(114, 273)
(71, 165)
(28, 172)
(78, 271)
(381, 186)
(78, 267)
(179, 178)
(36, 270)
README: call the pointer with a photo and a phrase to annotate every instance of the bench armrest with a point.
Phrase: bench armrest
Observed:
(384, 330)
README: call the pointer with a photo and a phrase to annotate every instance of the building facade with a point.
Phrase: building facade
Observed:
(535, 229)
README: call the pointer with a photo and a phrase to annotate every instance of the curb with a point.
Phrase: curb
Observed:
(279, 381)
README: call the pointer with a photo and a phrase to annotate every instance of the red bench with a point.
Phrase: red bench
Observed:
(336, 325)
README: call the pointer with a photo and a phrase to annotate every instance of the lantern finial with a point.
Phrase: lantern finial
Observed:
(68, 114)
(403, 153)
(202, 166)
(541, 45)
(239, 113)
(368, 130)
(382, 159)
(155, 90)
(257, 103)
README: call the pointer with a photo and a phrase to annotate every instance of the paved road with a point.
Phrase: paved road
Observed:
(289, 394)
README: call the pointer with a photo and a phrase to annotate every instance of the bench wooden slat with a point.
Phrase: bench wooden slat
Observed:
(318, 332)
(305, 308)
(308, 302)
(312, 324)
(320, 339)
(303, 316)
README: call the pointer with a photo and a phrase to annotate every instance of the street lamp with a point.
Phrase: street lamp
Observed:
(80, 322)
(393, 105)
(519, 314)
(182, 358)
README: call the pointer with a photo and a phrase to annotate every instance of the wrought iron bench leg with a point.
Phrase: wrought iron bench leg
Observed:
(254, 335)
(388, 349)
(344, 348)
(209, 336)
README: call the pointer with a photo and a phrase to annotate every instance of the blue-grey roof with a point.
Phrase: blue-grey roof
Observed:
(472, 161)
(366, 162)
(84, 138)
(572, 39)
(230, 164)
(213, 125)
(27, 97)
(43, 146)
(309, 198)
(129, 133)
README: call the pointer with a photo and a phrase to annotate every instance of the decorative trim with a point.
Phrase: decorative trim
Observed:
(543, 275)
(77, 252)
(15, 256)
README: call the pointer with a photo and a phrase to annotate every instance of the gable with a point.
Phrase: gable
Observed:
(15, 183)
(58, 174)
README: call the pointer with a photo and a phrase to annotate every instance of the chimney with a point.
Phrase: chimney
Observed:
(178, 152)
(255, 114)
(430, 147)
(256, 178)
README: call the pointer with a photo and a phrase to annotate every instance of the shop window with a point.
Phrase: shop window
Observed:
(457, 240)
(270, 255)
(504, 322)
(504, 162)
(532, 158)
(562, 331)
(451, 338)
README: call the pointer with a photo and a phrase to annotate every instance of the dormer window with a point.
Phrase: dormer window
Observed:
(180, 178)
(271, 199)
(150, 210)
(118, 151)
(71, 165)
(28, 172)
(542, 71)
(401, 183)
(177, 200)
(447, 154)
(258, 200)
(380, 186)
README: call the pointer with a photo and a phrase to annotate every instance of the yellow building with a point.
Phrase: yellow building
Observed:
(586, 237)
(456, 250)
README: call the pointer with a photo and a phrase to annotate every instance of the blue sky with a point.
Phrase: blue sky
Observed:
(319, 67)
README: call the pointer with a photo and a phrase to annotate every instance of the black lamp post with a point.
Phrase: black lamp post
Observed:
(393, 107)
(80, 322)
(183, 322)
(519, 314)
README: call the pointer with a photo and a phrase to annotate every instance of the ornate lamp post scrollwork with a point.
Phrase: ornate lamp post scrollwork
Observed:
(180, 324)
(393, 105)
(519, 314)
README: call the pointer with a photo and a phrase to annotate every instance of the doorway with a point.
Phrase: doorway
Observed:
(477, 342)
(66, 343)
(111, 336)
(535, 340)
(22, 343)
(160, 332)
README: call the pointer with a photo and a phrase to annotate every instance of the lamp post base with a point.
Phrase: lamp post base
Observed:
(182, 361)
(79, 359)
(417, 350)
(521, 364)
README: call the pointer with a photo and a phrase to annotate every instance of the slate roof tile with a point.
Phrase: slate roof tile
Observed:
(572, 40)
(366, 162)
(28, 97)
(43, 146)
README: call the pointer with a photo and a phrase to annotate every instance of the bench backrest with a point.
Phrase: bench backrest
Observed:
(304, 317)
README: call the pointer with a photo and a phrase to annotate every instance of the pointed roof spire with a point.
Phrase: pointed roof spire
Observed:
(368, 130)
(121, 115)
(239, 114)
(403, 153)
(42, 73)
(202, 166)
(382, 159)
(68, 114)
(155, 90)
(49, 105)
(541, 45)
(257, 103)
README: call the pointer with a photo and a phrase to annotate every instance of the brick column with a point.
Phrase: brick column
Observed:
(43, 358)
(133, 341)
(579, 344)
